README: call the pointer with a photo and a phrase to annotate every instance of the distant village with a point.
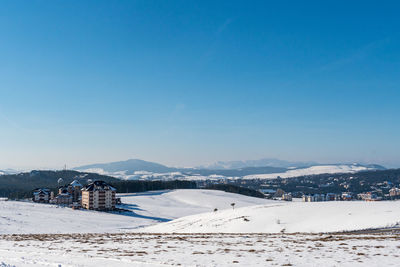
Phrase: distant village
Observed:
(368, 186)
(97, 195)
(394, 193)
(377, 191)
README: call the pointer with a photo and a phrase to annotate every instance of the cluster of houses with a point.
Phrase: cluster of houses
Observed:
(394, 193)
(378, 191)
(97, 195)
(325, 197)
(287, 197)
(369, 196)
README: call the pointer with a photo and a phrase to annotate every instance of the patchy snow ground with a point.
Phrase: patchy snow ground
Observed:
(289, 217)
(128, 249)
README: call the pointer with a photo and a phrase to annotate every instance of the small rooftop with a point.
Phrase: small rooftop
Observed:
(98, 186)
(41, 191)
(76, 183)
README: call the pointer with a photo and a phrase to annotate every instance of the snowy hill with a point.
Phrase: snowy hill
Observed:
(313, 170)
(172, 204)
(122, 240)
(30, 218)
(293, 217)
(147, 209)
(192, 211)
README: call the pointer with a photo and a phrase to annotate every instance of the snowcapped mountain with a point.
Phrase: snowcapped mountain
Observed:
(318, 169)
(8, 171)
(255, 169)
(127, 167)
(270, 162)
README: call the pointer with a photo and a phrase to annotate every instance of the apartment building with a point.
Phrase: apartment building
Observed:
(98, 196)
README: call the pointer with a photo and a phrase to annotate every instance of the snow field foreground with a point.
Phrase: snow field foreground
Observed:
(296, 217)
(128, 249)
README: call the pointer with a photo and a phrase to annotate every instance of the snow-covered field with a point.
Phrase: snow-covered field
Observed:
(372, 249)
(258, 232)
(192, 211)
(304, 217)
(172, 204)
(146, 209)
(31, 218)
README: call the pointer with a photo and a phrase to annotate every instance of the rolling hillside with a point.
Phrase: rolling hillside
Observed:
(292, 217)
(172, 204)
(145, 209)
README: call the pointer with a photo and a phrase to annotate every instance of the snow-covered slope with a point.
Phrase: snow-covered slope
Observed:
(290, 218)
(26, 218)
(320, 169)
(150, 208)
(172, 204)
(147, 209)
(8, 171)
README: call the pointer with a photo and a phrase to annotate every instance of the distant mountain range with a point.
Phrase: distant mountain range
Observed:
(221, 165)
(130, 166)
(20, 184)
(264, 168)
(8, 171)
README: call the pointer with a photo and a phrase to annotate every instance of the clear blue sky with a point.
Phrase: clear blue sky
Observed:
(190, 82)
